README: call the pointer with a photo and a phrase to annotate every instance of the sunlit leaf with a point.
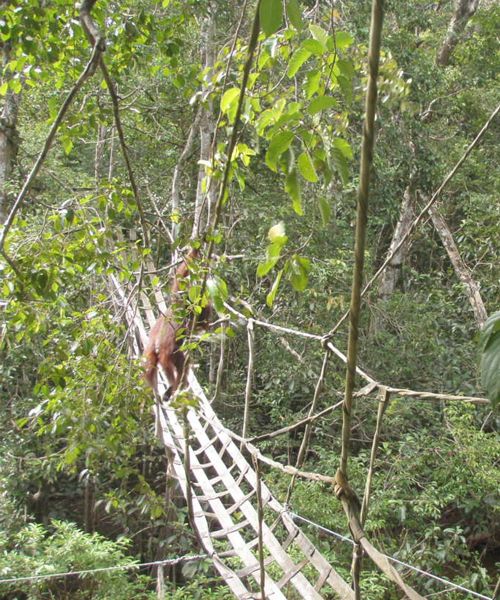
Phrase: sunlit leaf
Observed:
(343, 40)
(319, 34)
(292, 188)
(313, 46)
(274, 290)
(278, 144)
(230, 96)
(343, 147)
(298, 59)
(306, 167)
(312, 82)
(321, 103)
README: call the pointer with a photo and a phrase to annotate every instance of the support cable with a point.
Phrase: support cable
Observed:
(165, 563)
(339, 536)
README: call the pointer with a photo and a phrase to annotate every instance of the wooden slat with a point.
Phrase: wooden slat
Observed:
(236, 540)
(317, 559)
(302, 585)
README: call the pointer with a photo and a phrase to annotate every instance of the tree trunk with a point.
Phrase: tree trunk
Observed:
(464, 10)
(102, 132)
(206, 192)
(392, 274)
(9, 141)
(461, 269)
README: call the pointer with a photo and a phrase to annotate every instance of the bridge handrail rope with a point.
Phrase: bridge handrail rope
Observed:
(442, 580)
(372, 384)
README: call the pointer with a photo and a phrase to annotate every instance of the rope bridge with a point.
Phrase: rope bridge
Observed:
(226, 498)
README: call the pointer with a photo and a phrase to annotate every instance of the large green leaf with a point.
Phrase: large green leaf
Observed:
(294, 14)
(321, 103)
(299, 268)
(325, 210)
(490, 357)
(298, 59)
(278, 144)
(292, 188)
(313, 79)
(306, 167)
(271, 15)
(313, 46)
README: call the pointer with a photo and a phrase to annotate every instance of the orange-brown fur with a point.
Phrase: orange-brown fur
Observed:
(163, 347)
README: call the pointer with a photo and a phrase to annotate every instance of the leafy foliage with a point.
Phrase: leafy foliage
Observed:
(36, 551)
(490, 357)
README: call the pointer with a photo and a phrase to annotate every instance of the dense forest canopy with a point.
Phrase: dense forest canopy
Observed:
(132, 131)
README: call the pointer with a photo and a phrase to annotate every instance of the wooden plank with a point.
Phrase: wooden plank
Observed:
(317, 559)
(301, 584)
(236, 540)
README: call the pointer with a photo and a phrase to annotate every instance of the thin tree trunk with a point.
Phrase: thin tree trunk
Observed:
(9, 141)
(111, 167)
(461, 269)
(464, 10)
(102, 132)
(392, 274)
(206, 192)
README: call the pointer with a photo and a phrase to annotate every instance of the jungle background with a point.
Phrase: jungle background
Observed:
(82, 477)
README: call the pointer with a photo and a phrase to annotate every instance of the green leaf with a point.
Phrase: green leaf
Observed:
(4, 88)
(490, 357)
(292, 188)
(343, 147)
(67, 144)
(16, 86)
(228, 99)
(294, 14)
(313, 46)
(298, 59)
(299, 268)
(321, 103)
(341, 164)
(343, 40)
(319, 34)
(312, 83)
(278, 144)
(306, 167)
(274, 290)
(325, 210)
(271, 15)
(218, 292)
(264, 267)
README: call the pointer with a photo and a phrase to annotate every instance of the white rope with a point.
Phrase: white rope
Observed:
(391, 558)
(166, 562)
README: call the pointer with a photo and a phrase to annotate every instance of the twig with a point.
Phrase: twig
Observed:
(307, 433)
